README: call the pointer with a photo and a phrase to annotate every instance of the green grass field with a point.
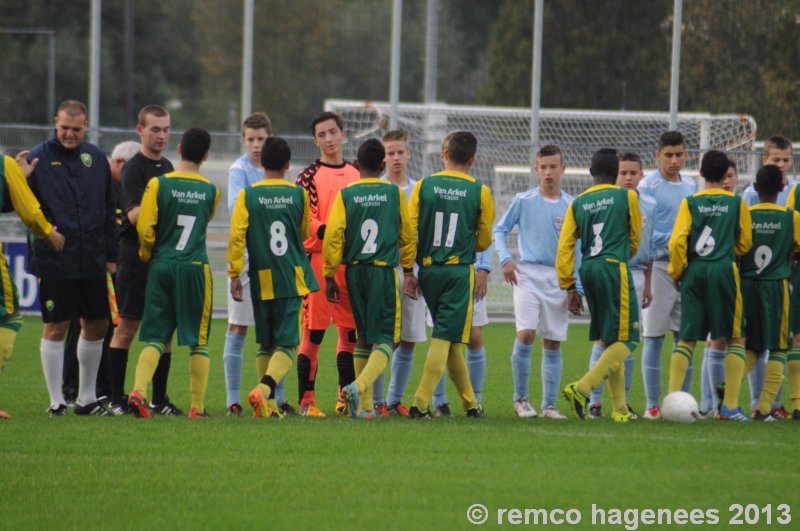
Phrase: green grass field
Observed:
(239, 473)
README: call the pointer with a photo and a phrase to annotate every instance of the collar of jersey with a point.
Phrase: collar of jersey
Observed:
(768, 206)
(714, 191)
(458, 174)
(273, 182)
(601, 187)
(376, 180)
(187, 175)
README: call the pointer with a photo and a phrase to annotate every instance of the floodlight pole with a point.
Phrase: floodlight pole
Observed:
(51, 64)
(394, 79)
(536, 77)
(247, 59)
(431, 51)
(677, 16)
(94, 72)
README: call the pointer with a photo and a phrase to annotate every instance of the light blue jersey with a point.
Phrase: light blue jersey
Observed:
(407, 188)
(539, 220)
(668, 197)
(483, 259)
(647, 205)
(242, 174)
(750, 195)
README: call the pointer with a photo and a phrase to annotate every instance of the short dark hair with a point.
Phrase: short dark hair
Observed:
(73, 108)
(714, 166)
(275, 153)
(549, 150)
(371, 155)
(733, 164)
(769, 181)
(777, 142)
(630, 156)
(670, 138)
(605, 165)
(324, 117)
(461, 146)
(155, 110)
(398, 135)
(257, 120)
(195, 143)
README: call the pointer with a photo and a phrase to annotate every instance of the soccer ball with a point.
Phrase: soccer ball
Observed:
(680, 407)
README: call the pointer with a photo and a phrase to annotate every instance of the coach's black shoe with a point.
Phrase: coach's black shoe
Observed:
(57, 411)
(287, 409)
(443, 411)
(168, 409)
(475, 412)
(91, 410)
(415, 413)
(119, 409)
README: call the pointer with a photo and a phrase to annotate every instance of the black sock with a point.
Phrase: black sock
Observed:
(347, 371)
(303, 374)
(117, 366)
(160, 379)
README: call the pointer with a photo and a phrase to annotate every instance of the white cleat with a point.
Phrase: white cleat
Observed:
(524, 408)
(550, 412)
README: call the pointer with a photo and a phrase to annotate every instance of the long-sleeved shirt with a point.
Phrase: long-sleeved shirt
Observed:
(668, 197)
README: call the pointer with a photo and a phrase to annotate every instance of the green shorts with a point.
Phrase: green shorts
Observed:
(9, 301)
(794, 311)
(278, 321)
(177, 296)
(375, 301)
(448, 293)
(766, 312)
(611, 296)
(711, 302)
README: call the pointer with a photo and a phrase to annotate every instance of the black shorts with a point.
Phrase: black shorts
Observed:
(64, 298)
(131, 281)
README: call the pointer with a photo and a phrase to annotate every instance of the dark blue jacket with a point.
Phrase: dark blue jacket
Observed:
(75, 189)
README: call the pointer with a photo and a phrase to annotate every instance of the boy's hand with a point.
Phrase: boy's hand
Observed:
(331, 290)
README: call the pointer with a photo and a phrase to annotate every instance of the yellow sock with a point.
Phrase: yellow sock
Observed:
(432, 372)
(7, 338)
(262, 362)
(616, 388)
(360, 359)
(734, 372)
(459, 374)
(146, 366)
(750, 359)
(613, 355)
(279, 364)
(199, 365)
(793, 366)
(772, 381)
(678, 365)
(376, 364)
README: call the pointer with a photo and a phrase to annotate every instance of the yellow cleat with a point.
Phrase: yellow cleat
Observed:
(256, 400)
(620, 417)
(312, 410)
(341, 409)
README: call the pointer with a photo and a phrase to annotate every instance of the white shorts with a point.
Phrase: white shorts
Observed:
(241, 313)
(664, 313)
(638, 285)
(413, 316)
(539, 303)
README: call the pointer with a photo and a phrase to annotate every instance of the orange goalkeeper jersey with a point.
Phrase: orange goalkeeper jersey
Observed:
(323, 182)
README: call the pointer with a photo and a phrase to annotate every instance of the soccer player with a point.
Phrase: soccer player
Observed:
(668, 188)
(608, 222)
(13, 185)
(323, 180)
(270, 220)
(175, 211)
(452, 214)
(641, 268)
(153, 128)
(369, 230)
(713, 227)
(766, 269)
(539, 304)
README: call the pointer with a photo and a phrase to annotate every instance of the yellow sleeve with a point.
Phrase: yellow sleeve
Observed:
(305, 231)
(216, 202)
(237, 242)
(148, 219)
(679, 241)
(23, 200)
(413, 208)
(408, 240)
(485, 220)
(745, 240)
(565, 256)
(333, 243)
(796, 223)
(790, 202)
(635, 229)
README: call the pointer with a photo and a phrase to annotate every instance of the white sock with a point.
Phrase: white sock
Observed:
(52, 353)
(89, 354)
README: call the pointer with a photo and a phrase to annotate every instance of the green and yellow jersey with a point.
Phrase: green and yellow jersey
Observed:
(776, 236)
(270, 219)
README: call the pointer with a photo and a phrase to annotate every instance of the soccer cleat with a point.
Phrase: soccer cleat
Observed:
(578, 403)
(736, 415)
(595, 411)
(58, 411)
(287, 409)
(524, 409)
(194, 414)
(365, 415)
(341, 408)
(398, 410)
(4, 415)
(760, 417)
(796, 414)
(443, 411)
(710, 414)
(312, 410)
(780, 413)
(235, 410)
(550, 412)
(381, 411)
(119, 409)
(168, 409)
(350, 396)
(475, 412)
(621, 417)
(138, 405)
(259, 404)
(91, 410)
(634, 414)
(415, 413)
(652, 413)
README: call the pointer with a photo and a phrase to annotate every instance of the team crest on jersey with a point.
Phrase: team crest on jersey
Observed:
(558, 222)
(49, 305)
(86, 159)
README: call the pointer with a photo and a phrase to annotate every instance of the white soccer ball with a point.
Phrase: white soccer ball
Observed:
(680, 407)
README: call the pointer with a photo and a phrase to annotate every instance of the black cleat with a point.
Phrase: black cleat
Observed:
(443, 411)
(57, 411)
(91, 410)
(119, 409)
(235, 410)
(796, 414)
(475, 412)
(760, 417)
(287, 409)
(634, 415)
(168, 409)
(596, 411)
(415, 413)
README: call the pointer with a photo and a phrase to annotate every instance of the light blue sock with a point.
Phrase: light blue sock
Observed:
(232, 359)
(687, 380)
(706, 389)
(756, 379)
(651, 369)
(552, 367)
(439, 395)
(597, 392)
(402, 363)
(716, 372)
(521, 368)
(377, 390)
(630, 362)
(476, 365)
(280, 392)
